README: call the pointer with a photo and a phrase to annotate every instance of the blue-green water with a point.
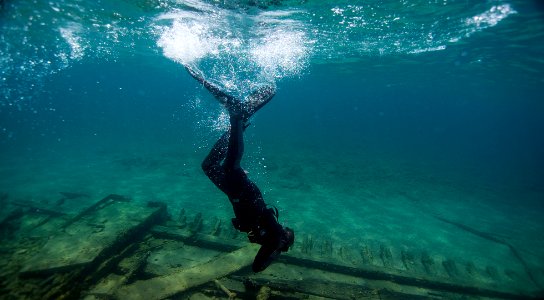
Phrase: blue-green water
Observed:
(387, 112)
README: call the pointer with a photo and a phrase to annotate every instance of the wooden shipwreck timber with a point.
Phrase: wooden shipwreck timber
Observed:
(119, 249)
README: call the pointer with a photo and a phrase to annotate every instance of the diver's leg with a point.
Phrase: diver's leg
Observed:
(252, 216)
(228, 149)
(212, 163)
(225, 147)
(234, 139)
(235, 149)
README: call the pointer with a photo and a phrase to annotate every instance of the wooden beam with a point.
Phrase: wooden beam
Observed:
(169, 285)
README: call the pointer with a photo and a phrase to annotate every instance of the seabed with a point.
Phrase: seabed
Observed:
(120, 249)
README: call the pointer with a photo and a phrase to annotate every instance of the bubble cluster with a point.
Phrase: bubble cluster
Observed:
(489, 18)
(72, 36)
(348, 30)
(41, 38)
(237, 50)
(240, 45)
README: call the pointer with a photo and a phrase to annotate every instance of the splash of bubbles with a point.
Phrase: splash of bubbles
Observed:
(377, 28)
(41, 38)
(189, 40)
(237, 50)
(490, 17)
(280, 53)
(221, 123)
(71, 34)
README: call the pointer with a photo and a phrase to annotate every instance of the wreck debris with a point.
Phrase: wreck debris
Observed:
(366, 255)
(307, 244)
(196, 225)
(142, 255)
(264, 293)
(230, 294)
(166, 286)
(70, 196)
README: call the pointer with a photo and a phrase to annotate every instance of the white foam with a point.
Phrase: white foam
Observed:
(71, 34)
(281, 53)
(239, 50)
(429, 49)
(186, 42)
(491, 17)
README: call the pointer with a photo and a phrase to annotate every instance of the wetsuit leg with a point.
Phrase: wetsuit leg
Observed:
(212, 163)
(222, 164)
(235, 149)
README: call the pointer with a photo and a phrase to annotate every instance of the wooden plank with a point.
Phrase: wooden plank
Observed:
(170, 285)
(85, 239)
(197, 239)
(405, 279)
(437, 279)
(175, 257)
(108, 200)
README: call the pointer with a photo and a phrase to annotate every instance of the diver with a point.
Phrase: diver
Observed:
(222, 166)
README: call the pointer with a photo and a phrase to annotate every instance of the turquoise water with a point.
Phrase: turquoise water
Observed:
(387, 115)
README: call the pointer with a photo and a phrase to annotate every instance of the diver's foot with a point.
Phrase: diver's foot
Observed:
(270, 251)
(257, 100)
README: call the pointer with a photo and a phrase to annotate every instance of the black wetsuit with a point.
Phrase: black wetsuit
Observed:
(222, 166)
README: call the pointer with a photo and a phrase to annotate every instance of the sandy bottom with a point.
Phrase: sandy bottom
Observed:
(349, 197)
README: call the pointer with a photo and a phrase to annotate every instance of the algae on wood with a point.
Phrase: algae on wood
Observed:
(83, 241)
(169, 285)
